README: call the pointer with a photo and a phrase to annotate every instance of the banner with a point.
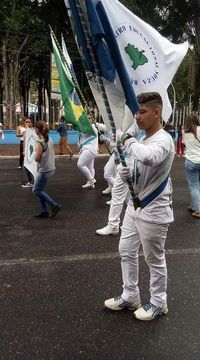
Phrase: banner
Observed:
(74, 112)
(55, 84)
(150, 59)
(29, 151)
(116, 93)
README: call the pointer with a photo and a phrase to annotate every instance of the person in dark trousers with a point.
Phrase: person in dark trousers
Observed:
(29, 175)
(169, 127)
(20, 133)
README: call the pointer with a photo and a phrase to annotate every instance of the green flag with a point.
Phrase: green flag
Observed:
(74, 111)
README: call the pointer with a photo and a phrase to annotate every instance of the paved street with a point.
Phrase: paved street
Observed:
(56, 273)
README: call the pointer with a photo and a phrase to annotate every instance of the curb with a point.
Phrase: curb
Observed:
(76, 156)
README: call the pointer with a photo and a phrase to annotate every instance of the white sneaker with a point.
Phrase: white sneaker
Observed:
(149, 312)
(107, 191)
(108, 202)
(118, 303)
(107, 230)
(27, 185)
(90, 184)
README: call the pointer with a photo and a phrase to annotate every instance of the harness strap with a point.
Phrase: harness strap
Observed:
(89, 140)
(152, 196)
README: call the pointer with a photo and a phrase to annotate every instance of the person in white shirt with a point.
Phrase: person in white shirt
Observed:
(146, 220)
(110, 167)
(29, 128)
(88, 152)
(120, 194)
(1, 131)
(20, 133)
(191, 140)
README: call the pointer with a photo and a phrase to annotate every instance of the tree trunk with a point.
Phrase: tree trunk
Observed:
(196, 9)
(1, 103)
(40, 97)
(5, 81)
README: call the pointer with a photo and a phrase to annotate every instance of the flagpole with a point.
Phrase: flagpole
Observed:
(96, 67)
(75, 82)
(103, 92)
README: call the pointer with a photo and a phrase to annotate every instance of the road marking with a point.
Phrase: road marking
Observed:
(85, 257)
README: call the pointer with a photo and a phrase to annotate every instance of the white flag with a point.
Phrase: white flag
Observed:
(107, 76)
(29, 151)
(151, 59)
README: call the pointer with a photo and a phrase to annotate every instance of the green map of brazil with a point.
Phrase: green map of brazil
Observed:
(31, 149)
(136, 56)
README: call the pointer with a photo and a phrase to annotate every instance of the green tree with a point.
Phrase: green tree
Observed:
(18, 25)
(26, 48)
(177, 20)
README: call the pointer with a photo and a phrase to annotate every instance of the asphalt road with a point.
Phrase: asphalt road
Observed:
(56, 273)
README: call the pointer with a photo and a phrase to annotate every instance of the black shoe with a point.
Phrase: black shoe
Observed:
(55, 210)
(42, 215)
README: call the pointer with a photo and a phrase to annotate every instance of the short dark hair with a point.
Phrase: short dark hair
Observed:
(153, 98)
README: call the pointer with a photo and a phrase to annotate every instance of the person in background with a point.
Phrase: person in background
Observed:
(20, 133)
(120, 193)
(1, 131)
(110, 167)
(180, 145)
(63, 146)
(191, 140)
(44, 156)
(88, 152)
(29, 175)
(169, 127)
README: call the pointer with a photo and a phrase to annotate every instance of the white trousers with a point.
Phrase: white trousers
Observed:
(110, 171)
(152, 237)
(86, 164)
(120, 192)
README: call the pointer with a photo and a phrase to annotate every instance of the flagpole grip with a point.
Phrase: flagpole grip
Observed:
(129, 181)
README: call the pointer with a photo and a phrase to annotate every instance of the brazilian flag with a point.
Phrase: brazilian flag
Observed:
(74, 111)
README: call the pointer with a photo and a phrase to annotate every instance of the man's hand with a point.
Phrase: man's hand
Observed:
(113, 145)
(125, 173)
(119, 134)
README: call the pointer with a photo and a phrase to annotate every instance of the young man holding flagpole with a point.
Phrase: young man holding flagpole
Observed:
(146, 223)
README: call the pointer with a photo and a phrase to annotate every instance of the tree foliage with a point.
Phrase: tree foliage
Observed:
(26, 47)
(25, 44)
(177, 20)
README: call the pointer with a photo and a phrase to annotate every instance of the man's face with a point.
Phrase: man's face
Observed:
(147, 116)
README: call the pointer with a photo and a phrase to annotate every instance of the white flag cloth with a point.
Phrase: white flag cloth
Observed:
(29, 151)
(150, 59)
(107, 76)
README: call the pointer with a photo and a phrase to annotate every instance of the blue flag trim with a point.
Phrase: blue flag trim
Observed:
(103, 56)
(131, 99)
(80, 37)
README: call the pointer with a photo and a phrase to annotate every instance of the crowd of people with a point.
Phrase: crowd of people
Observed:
(149, 210)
